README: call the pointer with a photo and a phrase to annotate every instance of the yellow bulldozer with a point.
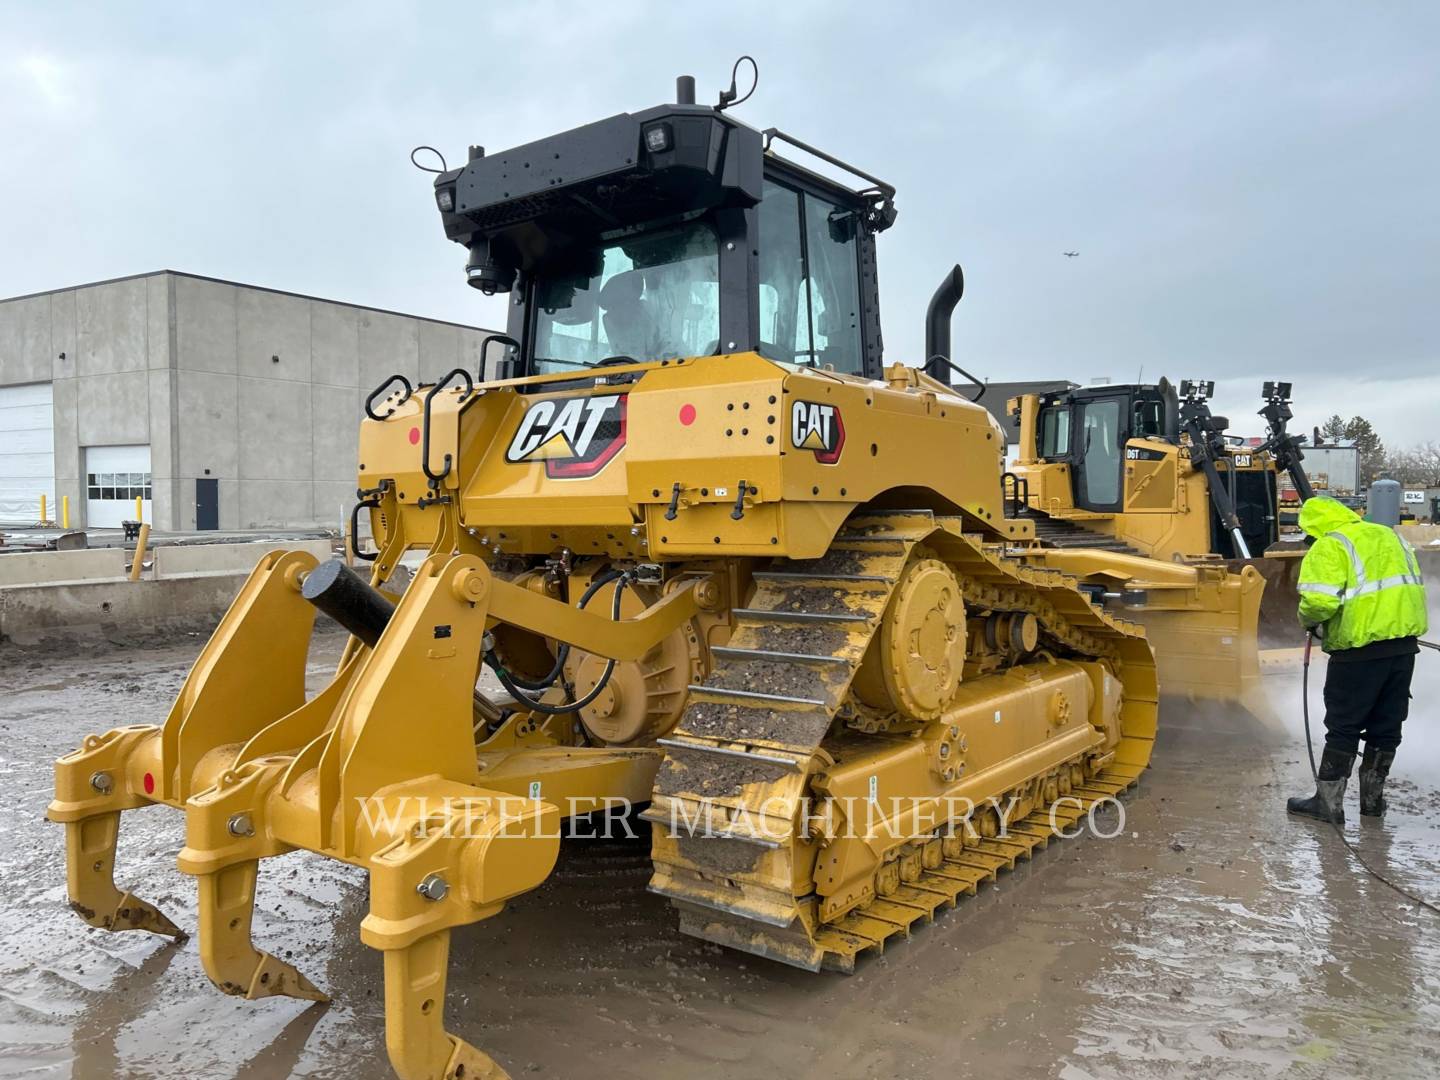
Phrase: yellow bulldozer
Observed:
(726, 564)
(1144, 469)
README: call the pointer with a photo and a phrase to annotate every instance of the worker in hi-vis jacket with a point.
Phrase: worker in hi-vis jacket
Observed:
(1361, 591)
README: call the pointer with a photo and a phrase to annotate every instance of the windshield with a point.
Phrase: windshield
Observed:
(655, 296)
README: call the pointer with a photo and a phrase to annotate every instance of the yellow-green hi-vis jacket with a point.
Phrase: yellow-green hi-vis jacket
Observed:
(1360, 580)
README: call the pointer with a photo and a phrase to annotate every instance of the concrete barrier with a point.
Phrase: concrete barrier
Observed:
(50, 567)
(117, 610)
(189, 559)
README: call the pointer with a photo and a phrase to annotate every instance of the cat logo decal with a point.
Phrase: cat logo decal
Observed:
(575, 437)
(817, 427)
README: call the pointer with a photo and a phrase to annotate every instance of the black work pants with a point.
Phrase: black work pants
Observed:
(1367, 699)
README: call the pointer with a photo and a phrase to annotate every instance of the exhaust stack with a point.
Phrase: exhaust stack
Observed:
(937, 323)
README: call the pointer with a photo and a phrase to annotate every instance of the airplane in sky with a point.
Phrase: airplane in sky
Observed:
(1071, 254)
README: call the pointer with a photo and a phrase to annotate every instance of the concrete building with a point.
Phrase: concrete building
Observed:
(221, 405)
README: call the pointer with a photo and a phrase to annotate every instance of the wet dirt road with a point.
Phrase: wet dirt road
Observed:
(1211, 937)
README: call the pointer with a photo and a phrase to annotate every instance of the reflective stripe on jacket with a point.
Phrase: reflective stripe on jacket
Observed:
(1362, 581)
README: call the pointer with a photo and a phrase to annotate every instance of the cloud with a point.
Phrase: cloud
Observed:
(47, 80)
(1251, 187)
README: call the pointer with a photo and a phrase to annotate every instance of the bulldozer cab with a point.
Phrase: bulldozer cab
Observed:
(1096, 431)
(676, 232)
(1138, 461)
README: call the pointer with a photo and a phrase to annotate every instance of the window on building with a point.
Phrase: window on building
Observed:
(122, 486)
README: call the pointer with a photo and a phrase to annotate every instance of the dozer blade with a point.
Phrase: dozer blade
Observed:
(1279, 625)
(1201, 618)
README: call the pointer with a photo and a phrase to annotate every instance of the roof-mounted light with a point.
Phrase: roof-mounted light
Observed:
(658, 138)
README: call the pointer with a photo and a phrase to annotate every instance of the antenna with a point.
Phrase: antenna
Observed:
(730, 97)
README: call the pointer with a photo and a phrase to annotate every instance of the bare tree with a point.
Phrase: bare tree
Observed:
(1415, 466)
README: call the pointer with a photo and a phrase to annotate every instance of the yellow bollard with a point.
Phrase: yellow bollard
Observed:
(42, 510)
(139, 553)
(139, 508)
(65, 511)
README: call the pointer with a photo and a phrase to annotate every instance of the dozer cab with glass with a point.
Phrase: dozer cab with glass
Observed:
(724, 562)
(1144, 469)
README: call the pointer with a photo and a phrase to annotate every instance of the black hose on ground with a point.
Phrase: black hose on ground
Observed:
(1315, 772)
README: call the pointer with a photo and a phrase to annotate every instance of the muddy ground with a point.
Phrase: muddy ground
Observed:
(1212, 937)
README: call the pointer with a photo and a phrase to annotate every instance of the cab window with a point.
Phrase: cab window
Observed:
(652, 296)
(1100, 453)
(1054, 433)
(834, 274)
(1148, 421)
(809, 300)
(784, 299)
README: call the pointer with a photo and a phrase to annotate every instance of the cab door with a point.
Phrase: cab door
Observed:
(1151, 460)
(1098, 456)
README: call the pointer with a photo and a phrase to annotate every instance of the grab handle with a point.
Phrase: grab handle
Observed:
(435, 477)
(504, 369)
(370, 401)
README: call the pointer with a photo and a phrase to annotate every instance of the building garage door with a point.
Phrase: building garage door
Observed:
(27, 452)
(115, 476)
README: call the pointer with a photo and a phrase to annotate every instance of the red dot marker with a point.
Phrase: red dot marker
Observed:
(149, 784)
(414, 436)
(687, 414)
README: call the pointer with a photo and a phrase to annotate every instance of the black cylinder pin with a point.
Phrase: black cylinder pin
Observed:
(348, 599)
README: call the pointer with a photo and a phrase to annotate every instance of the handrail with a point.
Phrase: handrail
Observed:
(435, 478)
(365, 498)
(938, 359)
(769, 135)
(370, 401)
(1017, 484)
(485, 344)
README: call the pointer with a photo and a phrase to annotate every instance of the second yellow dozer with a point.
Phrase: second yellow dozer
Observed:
(1144, 470)
(725, 563)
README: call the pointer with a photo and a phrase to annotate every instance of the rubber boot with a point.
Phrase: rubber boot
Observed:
(1374, 768)
(1328, 802)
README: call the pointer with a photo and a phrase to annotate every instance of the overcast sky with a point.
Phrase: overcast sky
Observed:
(1253, 188)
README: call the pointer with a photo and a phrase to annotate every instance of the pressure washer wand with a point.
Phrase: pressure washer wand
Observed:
(1305, 699)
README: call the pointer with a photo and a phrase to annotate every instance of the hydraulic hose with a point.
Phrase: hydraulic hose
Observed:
(544, 683)
(506, 680)
(1315, 772)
